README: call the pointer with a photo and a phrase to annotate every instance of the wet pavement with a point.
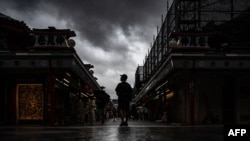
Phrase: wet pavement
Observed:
(111, 131)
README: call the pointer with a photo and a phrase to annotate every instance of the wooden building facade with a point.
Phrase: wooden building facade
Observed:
(42, 77)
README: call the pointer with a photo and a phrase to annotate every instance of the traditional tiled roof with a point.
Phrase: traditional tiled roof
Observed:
(9, 23)
(53, 30)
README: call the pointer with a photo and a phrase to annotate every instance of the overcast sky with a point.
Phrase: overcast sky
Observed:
(113, 35)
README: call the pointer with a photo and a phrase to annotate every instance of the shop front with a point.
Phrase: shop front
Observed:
(42, 77)
(205, 58)
(202, 89)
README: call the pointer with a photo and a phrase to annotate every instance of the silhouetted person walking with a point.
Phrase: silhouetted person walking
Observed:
(124, 93)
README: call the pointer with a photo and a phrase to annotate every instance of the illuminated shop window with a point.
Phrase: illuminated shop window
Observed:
(30, 101)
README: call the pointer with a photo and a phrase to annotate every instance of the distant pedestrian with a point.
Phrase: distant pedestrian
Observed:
(124, 93)
(145, 113)
(140, 113)
(100, 107)
(114, 113)
(92, 110)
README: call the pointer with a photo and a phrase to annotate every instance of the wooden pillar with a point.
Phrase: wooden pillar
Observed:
(51, 99)
(192, 103)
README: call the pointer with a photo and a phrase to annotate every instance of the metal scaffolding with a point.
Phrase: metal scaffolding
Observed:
(200, 16)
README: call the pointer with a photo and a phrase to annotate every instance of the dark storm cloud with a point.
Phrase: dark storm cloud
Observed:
(113, 35)
(97, 20)
(21, 5)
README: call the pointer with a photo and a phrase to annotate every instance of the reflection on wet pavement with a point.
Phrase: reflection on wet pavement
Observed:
(113, 133)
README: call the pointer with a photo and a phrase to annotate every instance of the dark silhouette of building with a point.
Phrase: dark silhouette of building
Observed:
(42, 77)
(197, 70)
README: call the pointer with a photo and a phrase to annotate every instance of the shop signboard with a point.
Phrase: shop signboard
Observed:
(193, 39)
(50, 40)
